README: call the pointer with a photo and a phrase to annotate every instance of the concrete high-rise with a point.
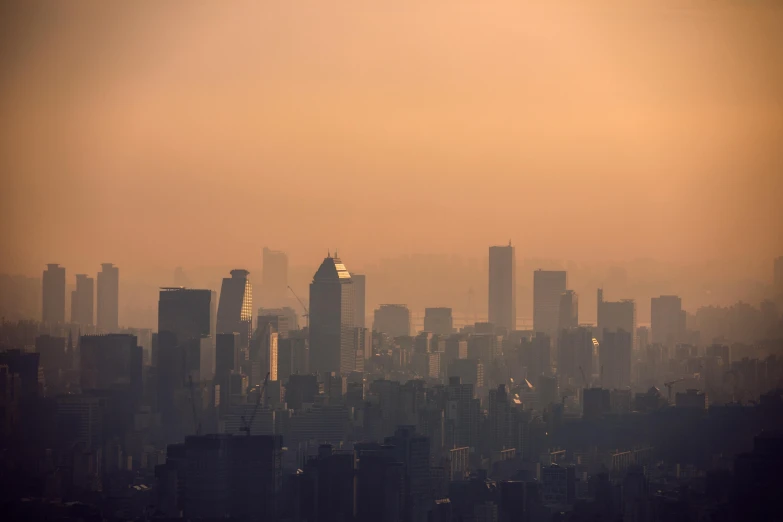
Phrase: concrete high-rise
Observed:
(359, 297)
(108, 298)
(614, 357)
(82, 301)
(615, 315)
(569, 310)
(392, 319)
(667, 320)
(503, 287)
(548, 287)
(185, 313)
(235, 309)
(332, 318)
(53, 294)
(438, 321)
(274, 278)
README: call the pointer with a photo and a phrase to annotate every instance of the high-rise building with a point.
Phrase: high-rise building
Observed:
(108, 298)
(360, 312)
(109, 362)
(332, 318)
(235, 310)
(82, 310)
(274, 278)
(548, 287)
(575, 355)
(503, 287)
(569, 310)
(615, 315)
(614, 357)
(392, 319)
(438, 321)
(287, 324)
(54, 294)
(667, 320)
(186, 313)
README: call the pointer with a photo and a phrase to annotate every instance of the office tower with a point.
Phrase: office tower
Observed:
(54, 360)
(234, 476)
(503, 287)
(642, 338)
(82, 301)
(575, 356)
(293, 355)
(278, 322)
(363, 344)
(82, 418)
(264, 349)
(456, 348)
(110, 362)
(108, 298)
(558, 485)
(26, 366)
(274, 278)
(54, 294)
(499, 409)
(614, 357)
(331, 318)
(235, 310)
(615, 315)
(414, 452)
(227, 352)
(569, 311)
(469, 371)
(392, 319)
(536, 356)
(360, 312)
(548, 287)
(667, 320)
(438, 321)
(285, 325)
(380, 484)
(186, 313)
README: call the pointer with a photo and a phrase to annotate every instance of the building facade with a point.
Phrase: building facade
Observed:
(108, 298)
(332, 318)
(502, 287)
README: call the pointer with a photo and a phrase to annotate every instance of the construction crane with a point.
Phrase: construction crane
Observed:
(246, 426)
(196, 421)
(671, 384)
(307, 312)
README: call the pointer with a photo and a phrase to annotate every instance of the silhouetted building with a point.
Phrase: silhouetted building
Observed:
(289, 315)
(108, 298)
(691, 399)
(548, 287)
(278, 322)
(502, 287)
(111, 362)
(235, 310)
(615, 315)
(54, 359)
(185, 313)
(274, 278)
(595, 402)
(569, 310)
(54, 294)
(332, 319)
(614, 357)
(293, 355)
(438, 321)
(301, 389)
(359, 293)
(414, 452)
(227, 353)
(380, 484)
(392, 319)
(667, 320)
(82, 300)
(575, 355)
(234, 476)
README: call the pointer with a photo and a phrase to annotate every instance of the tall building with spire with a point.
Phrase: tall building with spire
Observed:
(332, 318)
(108, 298)
(503, 287)
(235, 308)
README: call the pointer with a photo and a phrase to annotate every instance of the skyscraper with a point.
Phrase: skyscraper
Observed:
(82, 310)
(54, 294)
(108, 298)
(615, 315)
(614, 357)
(392, 319)
(667, 320)
(438, 321)
(359, 299)
(185, 313)
(569, 310)
(235, 310)
(332, 318)
(548, 287)
(274, 278)
(503, 287)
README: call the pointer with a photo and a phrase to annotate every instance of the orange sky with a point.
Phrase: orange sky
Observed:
(198, 132)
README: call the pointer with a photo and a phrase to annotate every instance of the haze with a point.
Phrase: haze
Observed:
(192, 134)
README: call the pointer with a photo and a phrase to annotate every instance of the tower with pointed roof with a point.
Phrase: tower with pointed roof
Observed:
(332, 318)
